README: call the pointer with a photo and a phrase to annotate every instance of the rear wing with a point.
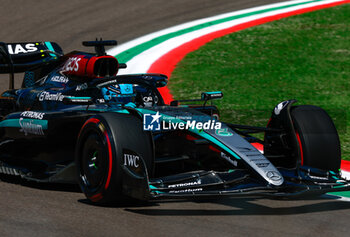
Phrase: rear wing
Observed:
(21, 57)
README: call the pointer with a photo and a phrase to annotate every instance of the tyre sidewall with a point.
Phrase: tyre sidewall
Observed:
(121, 132)
(318, 138)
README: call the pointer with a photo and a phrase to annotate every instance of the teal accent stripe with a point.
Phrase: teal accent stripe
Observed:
(152, 187)
(12, 123)
(127, 55)
(213, 92)
(341, 186)
(49, 46)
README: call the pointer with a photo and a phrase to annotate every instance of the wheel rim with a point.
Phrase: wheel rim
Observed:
(94, 163)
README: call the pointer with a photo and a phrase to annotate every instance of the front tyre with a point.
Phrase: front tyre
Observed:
(102, 143)
(317, 138)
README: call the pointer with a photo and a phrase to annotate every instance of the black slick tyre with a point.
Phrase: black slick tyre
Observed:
(102, 143)
(317, 138)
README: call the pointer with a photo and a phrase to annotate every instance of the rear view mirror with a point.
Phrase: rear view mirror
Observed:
(212, 95)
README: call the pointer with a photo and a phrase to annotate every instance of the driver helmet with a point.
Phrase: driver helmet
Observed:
(121, 93)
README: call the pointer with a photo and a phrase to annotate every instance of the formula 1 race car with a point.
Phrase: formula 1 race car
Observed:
(76, 121)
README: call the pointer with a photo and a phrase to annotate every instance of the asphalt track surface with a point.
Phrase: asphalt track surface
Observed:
(29, 209)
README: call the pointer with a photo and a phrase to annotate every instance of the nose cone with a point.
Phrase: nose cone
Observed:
(274, 177)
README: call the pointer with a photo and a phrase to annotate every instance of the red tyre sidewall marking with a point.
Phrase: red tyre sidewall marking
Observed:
(96, 197)
(91, 120)
(301, 148)
(167, 63)
(110, 160)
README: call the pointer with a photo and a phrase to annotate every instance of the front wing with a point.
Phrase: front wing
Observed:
(298, 182)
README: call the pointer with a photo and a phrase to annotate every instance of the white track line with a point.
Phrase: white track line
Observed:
(148, 37)
(142, 62)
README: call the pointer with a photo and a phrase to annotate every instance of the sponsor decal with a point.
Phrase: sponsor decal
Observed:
(32, 114)
(50, 97)
(151, 122)
(81, 87)
(60, 79)
(148, 100)
(226, 157)
(186, 190)
(21, 48)
(131, 160)
(184, 184)
(126, 89)
(30, 127)
(154, 123)
(279, 107)
(210, 124)
(72, 64)
(223, 132)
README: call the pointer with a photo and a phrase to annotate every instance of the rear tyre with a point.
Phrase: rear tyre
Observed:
(102, 143)
(317, 138)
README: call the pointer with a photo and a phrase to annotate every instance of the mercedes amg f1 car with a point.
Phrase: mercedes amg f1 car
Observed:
(76, 121)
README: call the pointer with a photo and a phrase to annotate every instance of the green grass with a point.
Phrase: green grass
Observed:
(304, 57)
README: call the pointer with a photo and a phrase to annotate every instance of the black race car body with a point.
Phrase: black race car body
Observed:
(75, 120)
